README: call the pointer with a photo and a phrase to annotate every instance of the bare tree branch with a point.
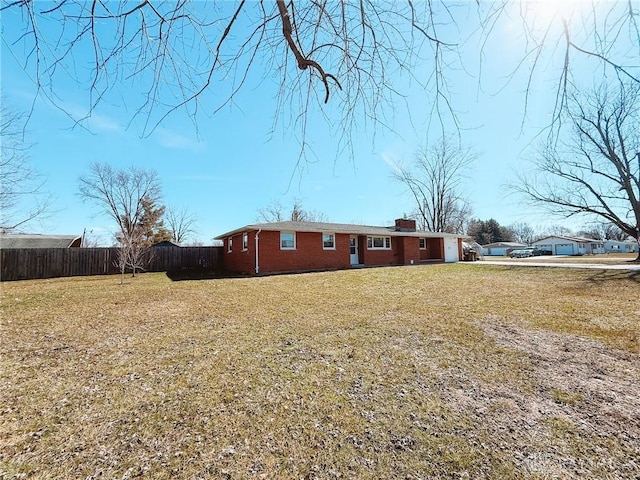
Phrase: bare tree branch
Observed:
(596, 171)
(303, 62)
(181, 223)
(360, 54)
(23, 198)
(179, 53)
(434, 182)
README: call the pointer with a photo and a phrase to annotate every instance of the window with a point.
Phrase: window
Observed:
(423, 243)
(328, 241)
(230, 244)
(379, 243)
(287, 241)
(245, 241)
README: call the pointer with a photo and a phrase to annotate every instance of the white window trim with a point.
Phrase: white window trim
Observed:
(424, 241)
(333, 235)
(294, 241)
(230, 245)
(245, 241)
(372, 247)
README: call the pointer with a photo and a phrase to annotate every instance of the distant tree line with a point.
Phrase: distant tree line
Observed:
(276, 212)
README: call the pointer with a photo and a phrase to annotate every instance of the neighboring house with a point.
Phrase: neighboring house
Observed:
(613, 246)
(501, 249)
(306, 246)
(21, 240)
(565, 245)
(165, 244)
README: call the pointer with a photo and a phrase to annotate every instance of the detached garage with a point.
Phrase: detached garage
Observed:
(564, 249)
(562, 245)
(501, 249)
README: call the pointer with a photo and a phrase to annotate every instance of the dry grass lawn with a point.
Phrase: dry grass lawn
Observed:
(447, 371)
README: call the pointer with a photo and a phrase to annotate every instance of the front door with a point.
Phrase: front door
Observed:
(353, 249)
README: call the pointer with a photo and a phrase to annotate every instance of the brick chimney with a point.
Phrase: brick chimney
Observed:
(405, 225)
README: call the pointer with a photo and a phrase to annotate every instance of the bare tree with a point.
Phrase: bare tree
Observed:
(595, 171)
(89, 240)
(131, 253)
(181, 224)
(276, 212)
(558, 230)
(22, 195)
(522, 232)
(593, 233)
(434, 181)
(604, 231)
(273, 212)
(122, 196)
(299, 214)
(612, 232)
(349, 50)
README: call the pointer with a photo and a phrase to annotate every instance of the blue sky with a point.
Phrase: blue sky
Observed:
(225, 167)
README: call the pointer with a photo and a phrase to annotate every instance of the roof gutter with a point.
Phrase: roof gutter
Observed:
(257, 241)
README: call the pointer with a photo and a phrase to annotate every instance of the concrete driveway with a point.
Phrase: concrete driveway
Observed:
(538, 263)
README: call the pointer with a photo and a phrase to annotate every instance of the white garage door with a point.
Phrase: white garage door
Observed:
(451, 250)
(564, 249)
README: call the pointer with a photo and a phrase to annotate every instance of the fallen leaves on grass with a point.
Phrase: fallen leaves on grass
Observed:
(425, 372)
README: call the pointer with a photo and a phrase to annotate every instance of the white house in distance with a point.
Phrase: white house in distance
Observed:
(501, 249)
(614, 246)
(565, 245)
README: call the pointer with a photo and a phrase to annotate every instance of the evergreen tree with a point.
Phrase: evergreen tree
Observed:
(488, 231)
(151, 225)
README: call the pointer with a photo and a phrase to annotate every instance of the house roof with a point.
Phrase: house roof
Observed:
(39, 241)
(504, 244)
(334, 228)
(621, 242)
(165, 244)
(570, 239)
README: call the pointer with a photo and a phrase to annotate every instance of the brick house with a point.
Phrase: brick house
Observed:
(307, 246)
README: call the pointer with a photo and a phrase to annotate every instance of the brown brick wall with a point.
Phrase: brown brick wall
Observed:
(381, 257)
(238, 260)
(434, 251)
(406, 225)
(309, 254)
(411, 250)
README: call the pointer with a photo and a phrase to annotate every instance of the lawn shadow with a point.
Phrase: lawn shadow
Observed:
(181, 275)
(601, 276)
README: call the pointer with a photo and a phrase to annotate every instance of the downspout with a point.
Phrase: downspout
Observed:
(257, 264)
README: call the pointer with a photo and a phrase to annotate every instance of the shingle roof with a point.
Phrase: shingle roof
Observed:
(570, 239)
(504, 244)
(38, 241)
(333, 228)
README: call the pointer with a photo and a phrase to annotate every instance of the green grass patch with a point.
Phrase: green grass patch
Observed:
(567, 398)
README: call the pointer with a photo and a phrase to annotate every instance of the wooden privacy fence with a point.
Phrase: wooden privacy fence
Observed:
(32, 263)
